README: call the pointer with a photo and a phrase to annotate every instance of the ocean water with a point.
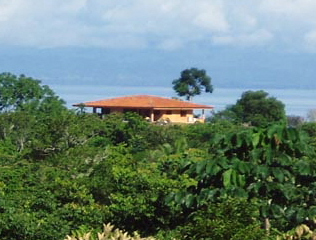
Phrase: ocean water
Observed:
(297, 101)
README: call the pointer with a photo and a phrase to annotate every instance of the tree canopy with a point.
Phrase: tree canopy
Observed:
(68, 173)
(257, 109)
(21, 92)
(192, 82)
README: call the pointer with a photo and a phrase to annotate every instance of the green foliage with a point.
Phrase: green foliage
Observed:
(255, 108)
(192, 82)
(310, 129)
(270, 166)
(40, 135)
(231, 219)
(22, 93)
(132, 190)
(65, 172)
(41, 202)
(199, 135)
(128, 128)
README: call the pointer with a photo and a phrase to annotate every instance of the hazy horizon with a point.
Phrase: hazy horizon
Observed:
(297, 102)
(263, 44)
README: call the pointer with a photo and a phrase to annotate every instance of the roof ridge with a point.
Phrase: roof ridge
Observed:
(145, 101)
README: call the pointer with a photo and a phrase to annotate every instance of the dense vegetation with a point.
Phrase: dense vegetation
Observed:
(67, 172)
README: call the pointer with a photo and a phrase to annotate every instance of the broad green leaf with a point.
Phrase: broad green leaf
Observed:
(239, 140)
(211, 193)
(290, 212)
(276, 210)
(185, 164)
(233, 178)
(289, 191)
(301, 214)
(223, 163)
(278, 173)
(256, 155)
(247, 137)
(241, 180)
(200, 167)
(241, 193)
(255, 139)
(178, 197)
(268, 154)
(292, 134)
(189, 200)
(227, 178)
(262, 171)
(255, 187)
(243, 167)
(312, 212)
(217, 139)
(271, 131)
(304, 168)
(264, 211)
(284, 159)
(212, 168)
(170, 198)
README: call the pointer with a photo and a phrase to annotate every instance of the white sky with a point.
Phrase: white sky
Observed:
(164, 24)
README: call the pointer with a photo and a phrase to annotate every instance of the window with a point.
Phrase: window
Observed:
(157, 112)
(183, 113)
(106, 110)
(125, 110)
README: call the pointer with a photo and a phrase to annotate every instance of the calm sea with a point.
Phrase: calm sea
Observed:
(297, 101)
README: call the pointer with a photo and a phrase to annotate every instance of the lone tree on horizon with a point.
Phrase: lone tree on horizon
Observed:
(192, 82)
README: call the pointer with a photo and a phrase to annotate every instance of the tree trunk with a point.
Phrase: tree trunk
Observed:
(267, 225)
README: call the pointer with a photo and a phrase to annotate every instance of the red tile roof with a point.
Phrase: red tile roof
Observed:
(145, 101)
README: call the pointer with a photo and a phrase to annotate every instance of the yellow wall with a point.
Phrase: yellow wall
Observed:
(174, 116)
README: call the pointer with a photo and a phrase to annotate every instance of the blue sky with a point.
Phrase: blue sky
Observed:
(246, 44)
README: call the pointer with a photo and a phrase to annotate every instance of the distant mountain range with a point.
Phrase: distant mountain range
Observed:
(229, 68)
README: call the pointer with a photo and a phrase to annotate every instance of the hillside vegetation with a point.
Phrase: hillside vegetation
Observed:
(67, 173)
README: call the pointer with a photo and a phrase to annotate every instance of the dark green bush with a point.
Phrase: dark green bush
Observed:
(223, 221)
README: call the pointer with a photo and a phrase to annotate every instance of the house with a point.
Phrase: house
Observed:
(153, 108)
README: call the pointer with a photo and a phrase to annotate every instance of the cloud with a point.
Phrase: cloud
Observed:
(209, 17)
(171, 44)
(259, 37)
(298, 10)
(292, 22)
(104, 23)
(161, 24)
(39, 23)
